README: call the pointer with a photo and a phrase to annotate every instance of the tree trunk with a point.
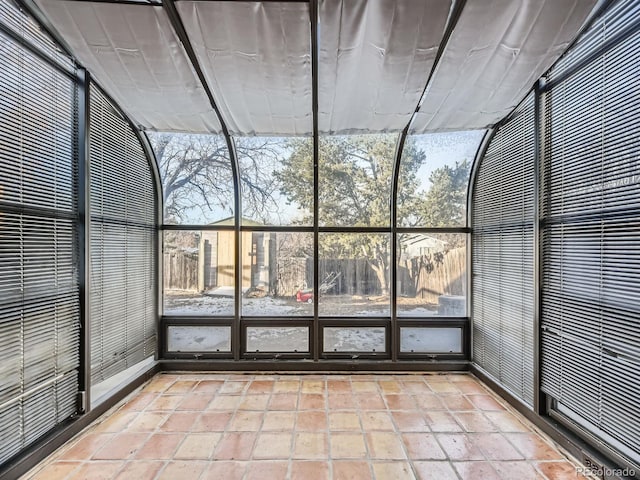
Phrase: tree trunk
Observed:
(381, 272)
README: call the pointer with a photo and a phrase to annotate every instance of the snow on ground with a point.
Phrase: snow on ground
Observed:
(330, 305)
(296, 338)
(223, 306)
(354, 339)
(416, 311)
(184, 305)
(199, 338)
(277, 339)
(431, 340)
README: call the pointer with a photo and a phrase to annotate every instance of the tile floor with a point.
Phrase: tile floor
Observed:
(230, 426)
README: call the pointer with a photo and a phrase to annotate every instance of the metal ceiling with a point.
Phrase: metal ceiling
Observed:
(245, 68)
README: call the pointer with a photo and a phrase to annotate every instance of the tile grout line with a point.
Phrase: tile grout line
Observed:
(507, 433)
(435, 438)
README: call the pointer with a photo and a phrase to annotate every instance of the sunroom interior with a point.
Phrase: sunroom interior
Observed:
(322, 190)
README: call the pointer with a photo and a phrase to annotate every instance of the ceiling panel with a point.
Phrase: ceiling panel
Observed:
(498, 49)
(133, 53)
(375, 59)
(256, 57)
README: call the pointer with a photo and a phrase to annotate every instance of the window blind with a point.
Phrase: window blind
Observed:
(122, 245)
(591, 241)
(15, 20)
(502, 243)
(39, 300)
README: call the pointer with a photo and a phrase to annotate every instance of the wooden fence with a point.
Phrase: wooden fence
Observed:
(180, 270)
(429, 276)
(425, 277)
(356, 276)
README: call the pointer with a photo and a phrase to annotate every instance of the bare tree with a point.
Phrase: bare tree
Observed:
(197, 176)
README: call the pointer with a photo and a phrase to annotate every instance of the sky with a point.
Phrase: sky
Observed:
(445, 149)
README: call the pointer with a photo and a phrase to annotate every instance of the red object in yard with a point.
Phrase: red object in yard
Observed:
(330, 280)
(305, 296)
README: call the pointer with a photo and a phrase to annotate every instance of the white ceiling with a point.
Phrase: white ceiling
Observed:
(375, 58)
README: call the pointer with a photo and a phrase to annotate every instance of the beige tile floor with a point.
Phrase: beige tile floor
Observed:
(230, 426)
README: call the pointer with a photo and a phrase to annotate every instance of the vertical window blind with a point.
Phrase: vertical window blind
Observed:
(502, 243)
(122, 245)
(591, 241)
(39, 293)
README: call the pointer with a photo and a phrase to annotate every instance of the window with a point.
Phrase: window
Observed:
(277, 273)
(198, 338)
(199, 272)
(277, 339)
(433, 178)
(354, 339)
(355, 180)
(276, 180)
(354, 274)
(123, 247)
(197, 178)
(431, 274)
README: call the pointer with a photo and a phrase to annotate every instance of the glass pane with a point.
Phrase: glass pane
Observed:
(432, 274)
(198, 339)
(277, 274)
(431, 340)
(198, 273)
(355, 180)
(434, 174)
(197, 179)
(277, 339)
(354, 274)
(276, 175)
(354, 339)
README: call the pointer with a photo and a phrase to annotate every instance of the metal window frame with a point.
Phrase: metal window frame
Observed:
(314, 12)
(84, 238)
(316, 347)
(188, 321)
(437, 322)
(539, 400)
(270, 322)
